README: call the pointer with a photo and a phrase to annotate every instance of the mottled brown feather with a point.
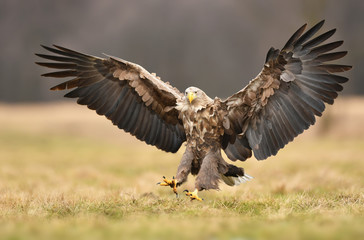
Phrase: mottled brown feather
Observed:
(283, 100)
(122, 91)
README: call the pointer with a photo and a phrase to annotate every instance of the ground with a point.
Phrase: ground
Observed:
(67, 173)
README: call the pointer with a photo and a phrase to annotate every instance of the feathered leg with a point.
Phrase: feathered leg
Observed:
(184, 168)
(208, 177)
(182, 172)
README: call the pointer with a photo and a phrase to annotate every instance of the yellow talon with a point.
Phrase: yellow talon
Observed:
(172, 183)
(193, 195)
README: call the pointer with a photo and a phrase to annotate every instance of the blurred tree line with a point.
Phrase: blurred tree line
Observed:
(217, 45)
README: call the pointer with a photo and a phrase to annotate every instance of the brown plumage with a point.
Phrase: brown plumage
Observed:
(280, 103)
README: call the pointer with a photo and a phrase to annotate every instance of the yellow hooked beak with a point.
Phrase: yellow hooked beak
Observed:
(191, 96)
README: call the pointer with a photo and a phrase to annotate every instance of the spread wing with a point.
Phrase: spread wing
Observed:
(132, 98)
(287, 95)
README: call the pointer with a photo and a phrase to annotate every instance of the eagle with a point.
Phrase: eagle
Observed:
(281, 102)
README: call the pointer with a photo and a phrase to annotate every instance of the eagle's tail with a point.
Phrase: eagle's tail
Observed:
(235, 181)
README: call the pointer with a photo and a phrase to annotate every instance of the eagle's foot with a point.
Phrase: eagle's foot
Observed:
(193, 195)
(172, 183)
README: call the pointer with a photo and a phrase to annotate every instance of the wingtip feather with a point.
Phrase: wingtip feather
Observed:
(294, 37)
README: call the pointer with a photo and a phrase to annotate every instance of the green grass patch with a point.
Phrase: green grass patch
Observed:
(59, 186)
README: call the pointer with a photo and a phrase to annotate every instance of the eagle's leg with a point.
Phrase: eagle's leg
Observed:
(193, 195)
(172, 183)
(182, 172)
(184, 168)
(208, 177)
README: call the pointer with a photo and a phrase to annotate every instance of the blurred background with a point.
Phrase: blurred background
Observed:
(217, 45)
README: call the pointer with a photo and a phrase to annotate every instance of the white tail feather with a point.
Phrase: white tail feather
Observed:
(235, 181)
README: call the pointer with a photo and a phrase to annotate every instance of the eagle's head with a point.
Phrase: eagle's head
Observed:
(196, 97)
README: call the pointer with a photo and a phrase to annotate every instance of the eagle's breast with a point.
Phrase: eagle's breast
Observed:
(203, 127)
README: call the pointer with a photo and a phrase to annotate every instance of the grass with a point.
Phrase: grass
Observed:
(72, 179)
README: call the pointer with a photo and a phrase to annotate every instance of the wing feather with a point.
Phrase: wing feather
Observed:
(331, 56)
(127, 94)
(287, 95)
(320, 39)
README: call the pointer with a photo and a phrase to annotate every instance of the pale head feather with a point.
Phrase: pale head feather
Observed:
(200, 101)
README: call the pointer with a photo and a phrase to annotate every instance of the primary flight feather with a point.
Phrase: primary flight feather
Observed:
(280, 103)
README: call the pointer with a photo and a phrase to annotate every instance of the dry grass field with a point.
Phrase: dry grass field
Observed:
(66, 173)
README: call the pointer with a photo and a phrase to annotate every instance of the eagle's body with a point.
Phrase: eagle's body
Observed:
(203, 124)
(276, 106)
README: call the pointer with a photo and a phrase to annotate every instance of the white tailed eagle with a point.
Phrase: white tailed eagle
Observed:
(276, 106)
